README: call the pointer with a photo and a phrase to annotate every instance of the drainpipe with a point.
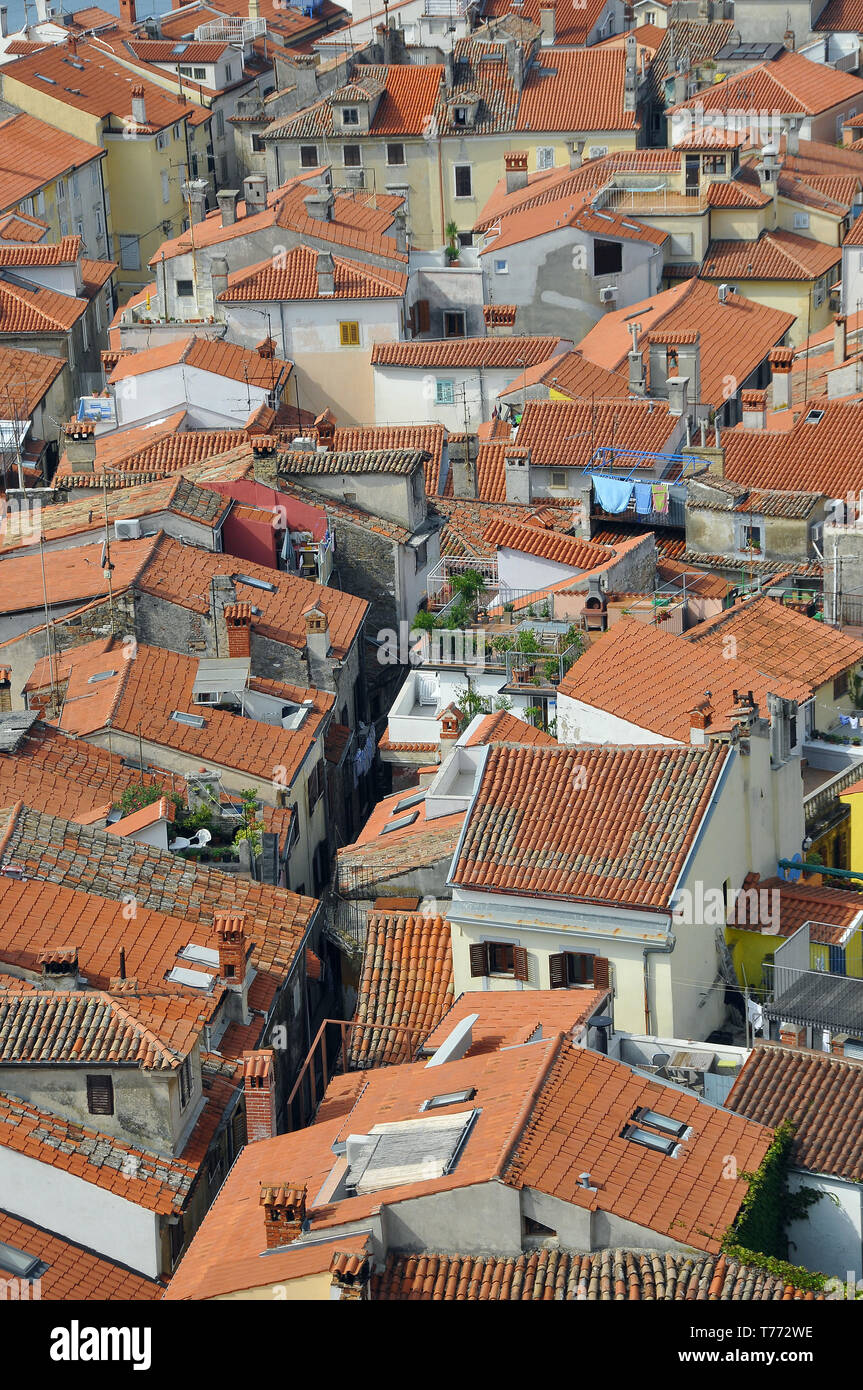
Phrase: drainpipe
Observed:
(648, 951)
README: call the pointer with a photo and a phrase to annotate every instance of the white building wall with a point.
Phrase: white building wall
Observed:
(830, 1240)
(581, 723)
(80, 1211)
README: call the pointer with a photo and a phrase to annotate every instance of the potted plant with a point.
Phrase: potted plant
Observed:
(451, 249)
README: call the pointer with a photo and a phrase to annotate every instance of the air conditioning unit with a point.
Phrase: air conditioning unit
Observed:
(723, 293)
(608, 295)
(129, 530)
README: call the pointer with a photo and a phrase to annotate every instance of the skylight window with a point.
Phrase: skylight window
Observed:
(663, 1122)
(195, 721)
(649, 1140)
(43, 78)
(813, 417)
(400, 823)
(408, 801)
(254, 583)
(201, 955)
(19, 1263)
(192, 979)
(450, 1098)
(100, 676)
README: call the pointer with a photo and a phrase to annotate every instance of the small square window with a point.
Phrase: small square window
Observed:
(308, 156)
(350, 115)
(752, 538)
(201, 73)
(558, 478)
(395, 154)
(501, 959)
(444, 392)
(459, 116)
(349, 334)
(545, 157)
(352, 157)
(453, 323)
(258, 145)
(501, 267)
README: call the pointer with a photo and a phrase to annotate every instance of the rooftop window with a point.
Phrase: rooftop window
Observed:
(100, 676)
(19, 1263)
(408, 801)
(401, 823)
(254, 583)
(195, 721)
(649, 1140)
(449, 1098)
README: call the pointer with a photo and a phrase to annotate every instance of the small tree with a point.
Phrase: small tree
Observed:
(469, 585)
(527, 641)
(469, 704)
(251, 827)
(424, 621)
(452, 246)
(136, 797)
(533, 714)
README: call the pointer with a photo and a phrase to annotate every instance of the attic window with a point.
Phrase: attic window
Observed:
(663, 1122)
(648, 1140)
(195, 721)
(401, 823)
(350, 115)
(450, 1098)
(19, 1263)
(100, 676)
(408, 801)
(813, 417)
(254, 583)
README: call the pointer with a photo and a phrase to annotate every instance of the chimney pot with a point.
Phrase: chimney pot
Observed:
(229, 930)
(840, 340)
(284, 1207)
(515, 165)
(259, 1090)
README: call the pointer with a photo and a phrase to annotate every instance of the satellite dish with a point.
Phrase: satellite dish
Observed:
(795, 874)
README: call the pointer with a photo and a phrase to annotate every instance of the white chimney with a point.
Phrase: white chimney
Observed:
(139, 106)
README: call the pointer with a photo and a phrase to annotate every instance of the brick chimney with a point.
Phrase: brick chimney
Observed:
(238, 624)
(837, 1043)
(266, 348)
(72, 43)
(840, 339)
(139, 106)
(515, 165)
(128, 12)
(754, 405)
(5, 688)
(780, 360)
(325, 270)
(325, 425)
(284, 1212)
(350, 1275)
(449, 730)
(229, 930)
(792, 1035)
(81, 445)
(259, 1090)
(700, 718)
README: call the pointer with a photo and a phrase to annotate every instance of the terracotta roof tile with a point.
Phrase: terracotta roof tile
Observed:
(831, 911)
(819, 455)
(548, 544)
(71, 576)
(566, 433)
(155, 1033)
(406, 983)
(819, 1093)
(25, 378)
(297, 279)
(503, 727)
(780, 641)
(790, 83)
(73, 1272)
(36, 153)
(620, 835)
(463, 352)
(507, 1019)
(581, 90)
(606, 678)
(25, 310)
(776, 255)
(207, 355)
(561, 1275)
(429, 438)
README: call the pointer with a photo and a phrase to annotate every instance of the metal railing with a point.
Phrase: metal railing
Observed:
(819, 799)
(308, 1092)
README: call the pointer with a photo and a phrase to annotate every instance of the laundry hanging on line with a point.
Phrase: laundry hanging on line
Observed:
(659, 492)
(612, 494)
(643, 499)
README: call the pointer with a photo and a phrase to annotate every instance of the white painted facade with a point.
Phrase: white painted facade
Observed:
(581, 723)
(211, 401)
(459, 397)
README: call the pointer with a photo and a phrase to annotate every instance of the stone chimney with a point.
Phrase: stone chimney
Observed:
(255, 193)
(792, 1034)
(259, 1091)
(81, 445)
(463, 450)
(238, 622)
(59, 967)
(218, 277)
(284, 1207)
(516, 471)
(576, 152)
(637, 382)
(196, 194)
(400, 229)
(300, 72)
(326, 272)
(515, 165)
(546, 24)
(317, 643)
(515, 63)
(227, 200)
(780, 360)
(678, 393)
(319, 204)
(448, 72)
(840, 339)
(630, 79)
(139, 106)
(754, 409)
(4, 21)
(792, 137)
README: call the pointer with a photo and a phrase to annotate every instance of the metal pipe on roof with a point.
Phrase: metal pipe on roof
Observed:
(664, 950)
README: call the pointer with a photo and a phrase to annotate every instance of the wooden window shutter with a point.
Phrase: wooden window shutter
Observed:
(557, 971)
(423, 318)
(601, 973)
(519, 957)
(479, 959)
(100, 1095)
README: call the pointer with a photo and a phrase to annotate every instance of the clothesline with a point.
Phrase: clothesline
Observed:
(615, 494)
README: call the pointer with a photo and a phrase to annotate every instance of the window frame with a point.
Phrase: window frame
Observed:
(183, 293)
(543, 162)
(840, 685)
(353, 337)
(396, 163)
(304, 150)
(94, 1105)
(454, 314)
(447, 397)
(456, 170)
(350, 116)
(352, 163)
(601, 272)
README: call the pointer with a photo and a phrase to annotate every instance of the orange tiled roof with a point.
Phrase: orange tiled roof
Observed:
(603, 1276)
(776, 255)
(25, 377)
(781, 641)
(76, 875)
(155, 1033)
(509, 1019)
(790, 84)
(566, 433)
(820, 1094)
(464, 352)
(20, 227)
(156, 1182)
(532, 831)
(179, 573)
(503, 727)
(297, 279)
(67, 251)
(35, 153)
(71, 576)
(73, 1272)
(820, 456)
(207, 355)
(429, 438)
(406, 983)
(832, 911)
(606, 678)
(163, 809)
(582, 90)
(466, 520)
(26, 310)
(550, 545)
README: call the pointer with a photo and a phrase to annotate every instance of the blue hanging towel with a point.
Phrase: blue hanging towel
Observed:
(612, 494)
(643, 502)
